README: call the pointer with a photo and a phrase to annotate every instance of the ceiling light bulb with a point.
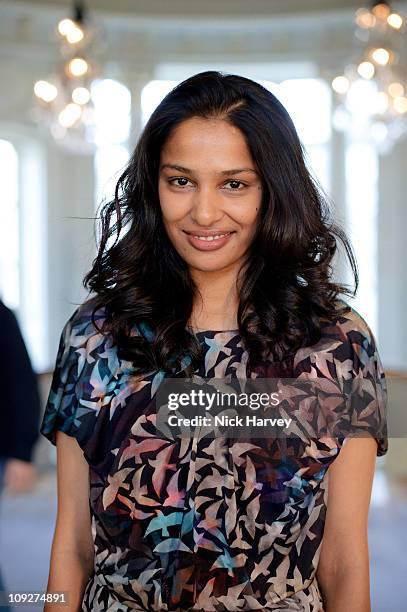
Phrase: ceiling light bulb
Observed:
(395, 21)
(65, 26)
(396, 89)
(400, 104)
(69, 115)
(366, 70)
(75, 35)
(81, 95)
(78, 66)
(364, 18)
(45, 91)
(381, 56)
(381, 11)
(340, 84)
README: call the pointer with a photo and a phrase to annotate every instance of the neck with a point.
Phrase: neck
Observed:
(215, 306)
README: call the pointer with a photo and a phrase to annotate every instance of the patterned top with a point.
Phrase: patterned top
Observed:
(184, 525)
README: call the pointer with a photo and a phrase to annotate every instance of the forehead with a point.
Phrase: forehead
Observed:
(208, 141)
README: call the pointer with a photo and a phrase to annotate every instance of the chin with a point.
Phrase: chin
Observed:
(214, 266)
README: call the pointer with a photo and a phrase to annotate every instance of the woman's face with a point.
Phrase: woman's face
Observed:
(209, 186)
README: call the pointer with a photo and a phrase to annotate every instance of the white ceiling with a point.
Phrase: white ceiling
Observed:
(142, 33)
(207, 8)
(224, 12)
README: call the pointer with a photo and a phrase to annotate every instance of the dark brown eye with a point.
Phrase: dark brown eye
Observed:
(235, 183)
(179, 178)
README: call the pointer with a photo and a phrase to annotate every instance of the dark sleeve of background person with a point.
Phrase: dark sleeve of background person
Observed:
(20, 404)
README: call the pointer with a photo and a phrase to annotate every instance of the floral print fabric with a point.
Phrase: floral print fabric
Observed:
(204, 524)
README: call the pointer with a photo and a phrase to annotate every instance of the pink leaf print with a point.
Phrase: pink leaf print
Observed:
(135, 513)
(161, 465)
(175, 494)
(135, 449)
(115, 483)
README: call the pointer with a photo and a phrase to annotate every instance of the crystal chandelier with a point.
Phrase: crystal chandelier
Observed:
(372, 91)
(63, 101)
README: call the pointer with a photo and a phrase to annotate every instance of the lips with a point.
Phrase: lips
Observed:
(208, 240)
(210, 237)
(208, 233)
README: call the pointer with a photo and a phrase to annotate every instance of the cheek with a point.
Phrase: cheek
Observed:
(173, 208)
(247, 217)
(248, 212)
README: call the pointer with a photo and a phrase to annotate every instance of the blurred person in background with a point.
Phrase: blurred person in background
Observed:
(19, 411)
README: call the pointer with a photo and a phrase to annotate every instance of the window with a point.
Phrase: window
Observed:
(308, 102)
(362, 210)
(10, 240)
(151, 96)
(23, 244)
(112, 102)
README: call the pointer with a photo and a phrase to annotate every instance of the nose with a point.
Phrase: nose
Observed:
(206, 208)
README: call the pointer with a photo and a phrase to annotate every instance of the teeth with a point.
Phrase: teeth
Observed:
(209, 238)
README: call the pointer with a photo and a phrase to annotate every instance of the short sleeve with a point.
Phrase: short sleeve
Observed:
(346, 371)
(367, 396)
(62, 404)
(91, 389)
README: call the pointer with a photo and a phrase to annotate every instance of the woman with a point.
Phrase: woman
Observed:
(220, 266)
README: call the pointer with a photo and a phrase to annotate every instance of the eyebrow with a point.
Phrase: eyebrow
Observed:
(222, 173)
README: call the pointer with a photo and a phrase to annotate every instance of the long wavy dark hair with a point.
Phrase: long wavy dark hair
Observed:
(285, 286)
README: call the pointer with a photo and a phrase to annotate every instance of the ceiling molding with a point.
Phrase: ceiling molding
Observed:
(143, 32)
(201, 8)
(219, 14)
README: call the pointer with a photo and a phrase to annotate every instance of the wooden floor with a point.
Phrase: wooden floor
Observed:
(26, 527)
